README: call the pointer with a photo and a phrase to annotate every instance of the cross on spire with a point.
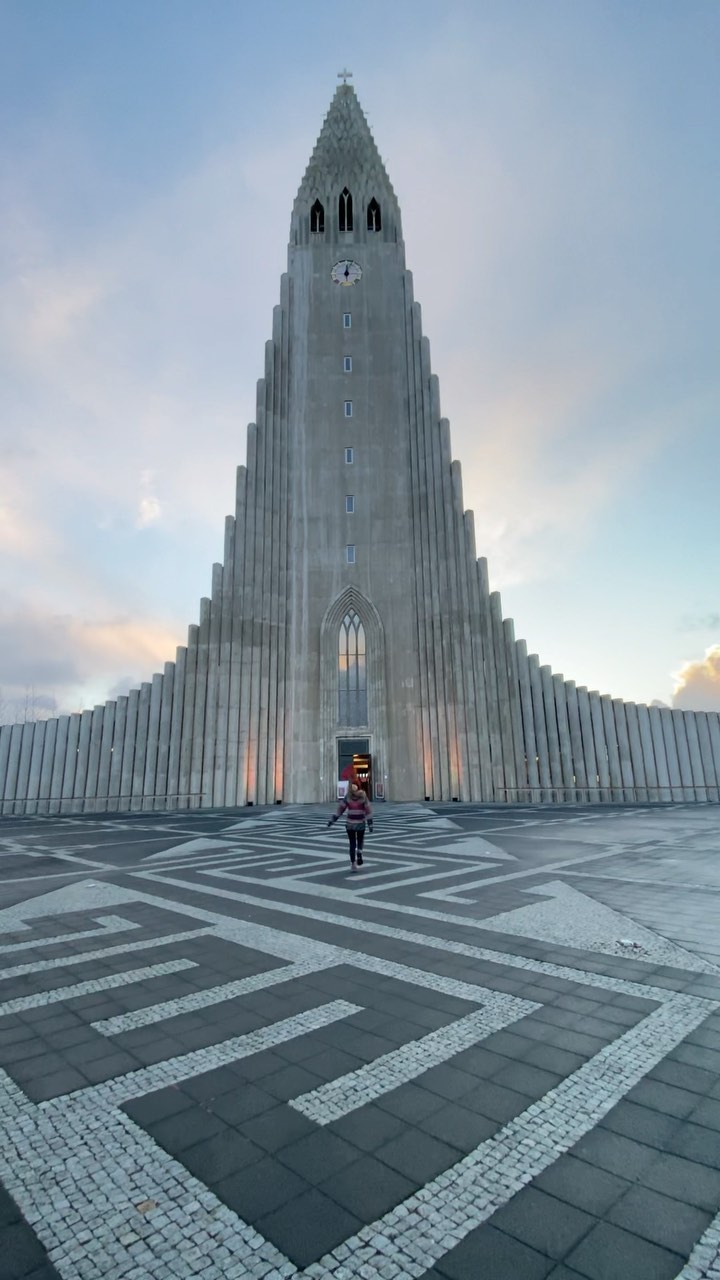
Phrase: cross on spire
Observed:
(344, 76)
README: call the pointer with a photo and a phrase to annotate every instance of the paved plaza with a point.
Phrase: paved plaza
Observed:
(492, 1054)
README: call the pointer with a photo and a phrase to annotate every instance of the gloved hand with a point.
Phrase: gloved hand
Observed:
(330, 823)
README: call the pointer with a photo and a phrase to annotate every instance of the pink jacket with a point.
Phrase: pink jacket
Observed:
(356, 808)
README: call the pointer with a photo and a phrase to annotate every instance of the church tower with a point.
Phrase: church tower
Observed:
(350, 613)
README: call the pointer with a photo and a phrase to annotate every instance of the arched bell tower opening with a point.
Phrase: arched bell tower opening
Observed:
(353, 693)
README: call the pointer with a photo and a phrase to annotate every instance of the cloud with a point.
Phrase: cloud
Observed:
(697, 685)
(149, 509)
(65, 661)
(700, 622)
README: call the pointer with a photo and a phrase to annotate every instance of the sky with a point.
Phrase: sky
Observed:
(556, 166)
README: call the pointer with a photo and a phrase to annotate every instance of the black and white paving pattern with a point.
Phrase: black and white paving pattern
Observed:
(493, 1052)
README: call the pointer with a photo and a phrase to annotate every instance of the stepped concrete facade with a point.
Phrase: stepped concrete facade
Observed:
(351, 611)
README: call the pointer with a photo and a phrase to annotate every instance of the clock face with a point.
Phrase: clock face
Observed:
(346, 272)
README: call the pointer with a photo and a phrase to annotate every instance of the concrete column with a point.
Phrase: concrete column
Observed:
(491, 685)
(141, 743)
(637, 762)
(210, 730)
(711, 780)
(184, 771)
(128, 757)
(26, 741)
(266, 638)
(551, 729)
(91, 780)
(452, 513)
(118, 744)
(238, 597)
(153, 738)
(201, 679)
(106, 745)
(691, 728)
(163, 756)
(528, 722)
(478, 664)
(473, 702)
(13, 765)
(541, 739)
(563, 725)
(46, 769)
(510, 778)
(648, 753)
(678, 783)
(58, 767)
(576, 742)
(588, 745)
(77, 804)
(283, 514)
(713, 721)
(428, 465)
(224, 665)
(623, 742)
(176, 729)
(661, 762)
(511, 662)
(612, 747)
(683, 751)
(36, 766)
(67, 785)
(428, 691)
(601, 749)
(5, 739)
(255, 772)
(247, 629)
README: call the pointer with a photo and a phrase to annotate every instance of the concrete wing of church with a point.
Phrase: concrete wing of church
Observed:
(351, 617)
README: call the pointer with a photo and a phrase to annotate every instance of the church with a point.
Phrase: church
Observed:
(351, 619)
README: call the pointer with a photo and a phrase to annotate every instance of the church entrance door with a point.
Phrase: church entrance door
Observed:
(348, 751)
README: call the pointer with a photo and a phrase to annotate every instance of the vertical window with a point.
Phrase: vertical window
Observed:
(349, 504)
(317, 218)
(347, 364)
(350, 553)
(349, 455)
(352, 672)
(374, 222)
(348, 408)
(345, 210)
(347, 320)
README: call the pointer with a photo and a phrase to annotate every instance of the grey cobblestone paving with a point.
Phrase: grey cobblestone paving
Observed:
(460, 1063)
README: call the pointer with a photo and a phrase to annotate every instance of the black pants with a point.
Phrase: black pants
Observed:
(356, 836)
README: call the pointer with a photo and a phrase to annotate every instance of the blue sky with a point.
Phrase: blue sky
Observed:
(556, 165)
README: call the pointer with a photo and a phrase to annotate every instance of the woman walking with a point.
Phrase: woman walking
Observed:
(356, 807)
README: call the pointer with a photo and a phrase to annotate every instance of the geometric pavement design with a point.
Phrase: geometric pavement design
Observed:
(495, 1052)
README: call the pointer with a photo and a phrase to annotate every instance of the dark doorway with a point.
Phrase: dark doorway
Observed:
(354, 751)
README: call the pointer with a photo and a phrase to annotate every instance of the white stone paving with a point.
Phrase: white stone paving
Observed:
(82, 1171)
(356, 1089)
(110, 982)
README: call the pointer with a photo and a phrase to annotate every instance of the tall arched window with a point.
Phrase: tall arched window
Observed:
(317, 218)
(345, 213)
(374, 222)
(352, 672)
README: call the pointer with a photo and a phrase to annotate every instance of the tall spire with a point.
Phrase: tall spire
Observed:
(345, 152)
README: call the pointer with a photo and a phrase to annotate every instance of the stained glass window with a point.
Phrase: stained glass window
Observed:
(352, 672)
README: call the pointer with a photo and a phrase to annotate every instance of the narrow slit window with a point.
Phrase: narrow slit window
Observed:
(350, 553)
(349, 455)
(349, 504)
(317, 218)
(347, 320)
(352, 672)
(374, 220)
(348, 408)
(347, 364)
(345, 210)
